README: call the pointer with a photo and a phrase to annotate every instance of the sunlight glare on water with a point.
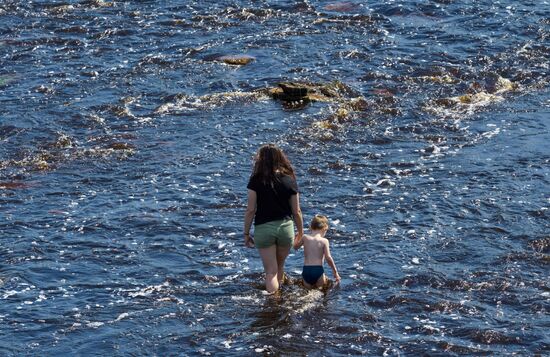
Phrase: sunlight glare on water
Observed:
(127, 131)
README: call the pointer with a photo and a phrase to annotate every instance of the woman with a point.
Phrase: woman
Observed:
(274, 205)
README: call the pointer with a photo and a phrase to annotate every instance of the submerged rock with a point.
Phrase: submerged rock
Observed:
(60, 9)
(342, 6)
(120, 146)
(541, 245)
(310, 92)
(480, 98)
(97, 3)
(294, 89)
(441, 79)
(345, 104)
(480, 95)
(236, 60)
(326, 124)
(13, 185)
(63, 141)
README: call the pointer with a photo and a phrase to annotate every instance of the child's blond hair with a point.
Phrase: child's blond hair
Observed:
(319, 222)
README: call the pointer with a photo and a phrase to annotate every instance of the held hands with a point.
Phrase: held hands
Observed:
(298, 240)
(337, 278)
(248, 241)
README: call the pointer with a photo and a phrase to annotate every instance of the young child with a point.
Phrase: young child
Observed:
(316, 250)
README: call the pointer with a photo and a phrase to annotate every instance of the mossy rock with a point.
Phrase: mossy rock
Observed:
(294, 89)
(236, 60)
(311, 92)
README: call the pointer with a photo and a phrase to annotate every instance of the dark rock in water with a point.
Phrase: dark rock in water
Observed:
(368, 190)
(315, 171)
(63, 141)
(384, 92)
(541, 245)
(236, 60)
(297, 95)
(302, 6)
(290, 92)
(446, 102)
(60, 9)
(294, 89)
(493, 337)
(211, 57)
(97, 3)
(385, 183)
(313, 92)
(44, 90)
(13, 185)
(120, 146)
(119, 110)
(293, 95)
(359, 104)
(9, 130)
(432, 149)
(177, 21)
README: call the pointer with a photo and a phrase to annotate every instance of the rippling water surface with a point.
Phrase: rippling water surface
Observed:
(126, 145)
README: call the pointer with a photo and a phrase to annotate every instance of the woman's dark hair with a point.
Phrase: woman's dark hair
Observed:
(271, 161)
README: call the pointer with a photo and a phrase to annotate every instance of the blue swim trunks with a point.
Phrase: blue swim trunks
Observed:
(312, 273)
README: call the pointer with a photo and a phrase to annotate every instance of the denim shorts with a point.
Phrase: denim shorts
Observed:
(280, 233)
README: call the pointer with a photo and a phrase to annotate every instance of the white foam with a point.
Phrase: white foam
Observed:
(122, 316)
(9, 293)
(95, 324)
(243, 298)
(310, 301)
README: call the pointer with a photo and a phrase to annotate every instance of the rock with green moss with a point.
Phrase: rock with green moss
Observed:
(236, 60)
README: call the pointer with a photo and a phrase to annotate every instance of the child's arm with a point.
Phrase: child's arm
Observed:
(330, 261)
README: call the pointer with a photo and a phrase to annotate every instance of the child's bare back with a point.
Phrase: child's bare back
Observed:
(316, 251)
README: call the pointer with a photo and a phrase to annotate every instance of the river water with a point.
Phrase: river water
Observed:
(126, 144)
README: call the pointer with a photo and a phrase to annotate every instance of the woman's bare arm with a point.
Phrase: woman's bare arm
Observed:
(249, 217)
(297, 215)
